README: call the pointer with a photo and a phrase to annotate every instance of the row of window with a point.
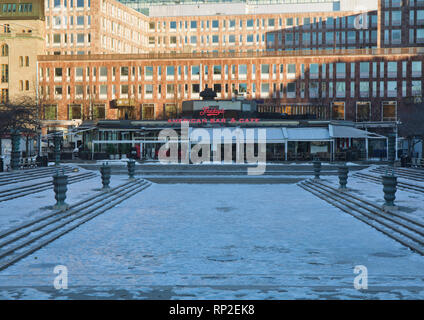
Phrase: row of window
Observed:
(8, 8)
(365, 70)
(4, 73)
(4, 50)
(58, 38)
(23, 85)
(272, 39)
(64, 3)
(363, 111)
(4, 95)
(306, 23)
(23, 61)
(75, 112)
(58, 21)
(291, 90)
(401, 3)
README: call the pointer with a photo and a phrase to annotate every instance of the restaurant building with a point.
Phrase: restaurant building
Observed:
(356, 61)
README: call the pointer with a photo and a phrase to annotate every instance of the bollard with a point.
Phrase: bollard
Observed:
(57, 139)
(317, 168)
(343, 175)
(15, 154)
(131, 169)
(105, 171)
(389, 189)
(60, 183)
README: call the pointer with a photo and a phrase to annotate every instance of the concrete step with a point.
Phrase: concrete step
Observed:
(221, 169)
(223, 180)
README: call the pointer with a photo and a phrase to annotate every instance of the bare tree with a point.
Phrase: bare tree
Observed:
(22, 115)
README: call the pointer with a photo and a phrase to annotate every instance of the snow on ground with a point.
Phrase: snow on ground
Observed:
(409, 202)
(220, 241)
(19, 210)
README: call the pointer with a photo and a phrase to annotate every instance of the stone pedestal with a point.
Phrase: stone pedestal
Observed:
(389, 189)
(60, 186)
(343, 171)
(317, 169)
(105, 171)
(131, 169)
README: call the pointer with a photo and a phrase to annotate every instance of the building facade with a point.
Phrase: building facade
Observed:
(21, 41)
(92, 27)
(355, 85)
(329, 60)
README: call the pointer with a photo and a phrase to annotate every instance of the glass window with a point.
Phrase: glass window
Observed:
(338, 111)
(57, 72)
(80, 20)
(314, 70)
(364, 89)
(392, 69)
(148, 71)
(195, 88)
(340, 89)
(170, 70)
(195, 70)
(389, 111)
(242, 69)
(242, 87)
(396, 18)
(364, 68)
(148, 88)
(363, 111)
(340, 70)
(124, 71)
(265, 88)
(289, 22)
(416, 68)
(50, 112)
(416, 88)
(265, 68)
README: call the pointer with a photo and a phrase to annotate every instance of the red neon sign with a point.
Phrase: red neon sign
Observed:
(211, 112)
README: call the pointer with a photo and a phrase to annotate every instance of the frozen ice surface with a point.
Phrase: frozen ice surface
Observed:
(220, 241)
(19, 210)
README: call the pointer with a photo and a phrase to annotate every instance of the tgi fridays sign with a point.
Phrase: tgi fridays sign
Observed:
(214, 112)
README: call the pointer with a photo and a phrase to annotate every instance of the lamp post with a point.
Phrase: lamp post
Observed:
(57, 140)
(15, 136)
